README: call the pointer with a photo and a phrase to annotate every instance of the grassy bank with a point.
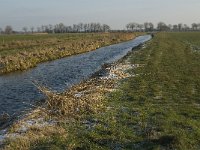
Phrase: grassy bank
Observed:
(157, 106)
(20, 52)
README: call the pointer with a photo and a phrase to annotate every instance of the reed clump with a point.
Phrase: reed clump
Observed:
(62, 112)
(81, 99)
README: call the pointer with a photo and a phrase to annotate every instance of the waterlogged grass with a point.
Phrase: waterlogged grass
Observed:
(20, 52)
(157, 108)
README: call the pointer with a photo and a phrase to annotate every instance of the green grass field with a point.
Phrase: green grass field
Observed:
(20, 52)
(158, 108)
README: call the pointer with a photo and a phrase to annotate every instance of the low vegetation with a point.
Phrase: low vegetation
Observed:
(159, 107)
(20, 52)
(156, 107)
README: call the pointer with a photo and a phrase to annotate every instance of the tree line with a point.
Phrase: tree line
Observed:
(161, 26)
(61, 28)
(98, 27)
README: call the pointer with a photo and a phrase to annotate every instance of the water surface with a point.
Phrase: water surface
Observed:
(17, 90)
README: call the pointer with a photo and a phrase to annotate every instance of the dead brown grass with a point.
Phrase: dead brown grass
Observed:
(88, 97)
(83, 98)
(33, 136)
(21, 55)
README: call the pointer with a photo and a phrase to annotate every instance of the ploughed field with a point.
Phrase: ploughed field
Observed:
(157, 106)
(20, 52)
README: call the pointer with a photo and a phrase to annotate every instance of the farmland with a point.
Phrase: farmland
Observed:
(20, 52)
(156, 107)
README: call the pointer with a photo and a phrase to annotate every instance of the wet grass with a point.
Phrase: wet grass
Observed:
(20, 52)
(158, 108)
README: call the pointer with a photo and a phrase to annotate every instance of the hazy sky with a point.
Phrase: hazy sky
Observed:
(116, 13)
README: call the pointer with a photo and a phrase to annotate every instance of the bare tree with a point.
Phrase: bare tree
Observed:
(98, 27)
(51, 28)
(106, 27)
(1, 31)
(62, 27)
(56, 28)
(32, 29)
(69, 29)
(75, 28)
(194, 26)
(170, 26)
(180, 26)
(185, 27)
(132, 26)
(85, 27)
(137, 26)
(8, 29)
(151, 26)
(80, 27)
(162, 26)
(140, 26)
(146, 26)
(198, 26)
(128, 27)
(46, 28)
(25, 29)
(38, 29)
(59, 28)
(92, 27)
(175, 27)
(43, 28)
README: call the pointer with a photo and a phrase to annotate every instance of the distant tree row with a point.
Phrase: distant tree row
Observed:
(97, 27)
(61, 28)
(177, 27)
(81, 27)
(8, 30)
(161, 26)
(147, 26)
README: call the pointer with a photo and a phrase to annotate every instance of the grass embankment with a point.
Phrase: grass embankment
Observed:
(156, 108)
(20, 52)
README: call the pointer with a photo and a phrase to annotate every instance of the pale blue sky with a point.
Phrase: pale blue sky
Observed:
(116, 13)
